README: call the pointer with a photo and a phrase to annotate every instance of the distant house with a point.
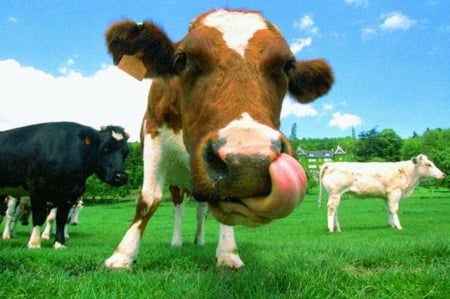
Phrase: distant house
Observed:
(313, 160)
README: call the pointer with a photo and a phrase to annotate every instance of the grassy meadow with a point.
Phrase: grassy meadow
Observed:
(291, 258)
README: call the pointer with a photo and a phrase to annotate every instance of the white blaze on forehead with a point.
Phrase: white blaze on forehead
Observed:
(247, 122)
(117, 136)
(237, 28)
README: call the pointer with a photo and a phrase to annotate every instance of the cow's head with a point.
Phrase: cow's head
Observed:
(111, 153)
(426, 168)
(230, 74)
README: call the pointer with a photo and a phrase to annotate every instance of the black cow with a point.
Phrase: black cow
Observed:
(51, 162)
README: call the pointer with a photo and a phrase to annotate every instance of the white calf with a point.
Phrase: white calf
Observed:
(390, 181)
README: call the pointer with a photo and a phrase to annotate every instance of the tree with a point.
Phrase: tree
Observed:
(411, 147)
(435, 144)
(375, 146)
(391, 145)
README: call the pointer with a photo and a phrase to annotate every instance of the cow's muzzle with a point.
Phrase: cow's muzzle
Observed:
(118, 179)
(249, 178)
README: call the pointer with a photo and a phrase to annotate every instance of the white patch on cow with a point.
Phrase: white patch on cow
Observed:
(237, 28)
(117, 136)
(166, 157)
(247, 122)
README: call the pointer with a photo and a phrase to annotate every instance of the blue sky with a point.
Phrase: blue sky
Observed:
(391, 60)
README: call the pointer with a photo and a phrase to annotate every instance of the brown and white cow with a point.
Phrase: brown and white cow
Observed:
(390, 181)
(212, 120)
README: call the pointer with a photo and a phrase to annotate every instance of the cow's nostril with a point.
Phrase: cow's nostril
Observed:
(282, 146)
(217, 168)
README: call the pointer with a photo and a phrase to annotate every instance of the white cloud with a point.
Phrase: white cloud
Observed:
(298, 44)
(357, 2)
(327, 107)
(12, 19)
(306, 23)
(396, 21)
(108, 97)
(367, 33)
(299, 110)
(344, 121)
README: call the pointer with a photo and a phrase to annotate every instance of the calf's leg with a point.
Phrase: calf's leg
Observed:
(393, 208)
(48, 224)
(10, 219)
(333, 205)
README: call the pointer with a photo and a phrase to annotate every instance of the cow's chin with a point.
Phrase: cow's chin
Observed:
(287, 191)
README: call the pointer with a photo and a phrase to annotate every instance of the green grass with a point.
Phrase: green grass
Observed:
(291, 258)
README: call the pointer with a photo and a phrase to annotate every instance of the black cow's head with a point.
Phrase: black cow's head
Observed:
(111, 154)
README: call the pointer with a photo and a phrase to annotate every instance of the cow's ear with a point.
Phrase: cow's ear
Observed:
(415, 161)
(309, 80)
(141, 50)
(88, 137)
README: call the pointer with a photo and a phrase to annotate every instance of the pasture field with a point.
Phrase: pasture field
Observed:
(291, 258)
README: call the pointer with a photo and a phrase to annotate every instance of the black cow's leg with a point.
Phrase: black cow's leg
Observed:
(39, 213)
(62, 214)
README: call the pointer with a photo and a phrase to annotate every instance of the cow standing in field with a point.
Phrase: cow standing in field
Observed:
(390, 181)
(72, 219)
(51, 162)
(14, 209)
(212, 120)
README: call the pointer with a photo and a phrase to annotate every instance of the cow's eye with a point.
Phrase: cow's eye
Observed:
(289, 66)
(180, 62)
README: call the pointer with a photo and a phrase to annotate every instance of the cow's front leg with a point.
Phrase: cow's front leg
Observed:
(62, 213)
(128, 248)
(392, 209)
(227, 253)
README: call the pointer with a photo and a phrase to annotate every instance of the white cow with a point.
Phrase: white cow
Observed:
(15, 209)
(72, 219)
(390, 181)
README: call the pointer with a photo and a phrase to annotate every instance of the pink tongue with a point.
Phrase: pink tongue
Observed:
(288, 189)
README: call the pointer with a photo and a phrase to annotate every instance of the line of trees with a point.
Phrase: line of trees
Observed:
(372, 145)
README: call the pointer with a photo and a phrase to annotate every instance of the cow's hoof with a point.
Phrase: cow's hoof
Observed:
(119, 261)
(45, 237)
(34, 246)
(230, 261)
(58, 245)
(176, 244)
